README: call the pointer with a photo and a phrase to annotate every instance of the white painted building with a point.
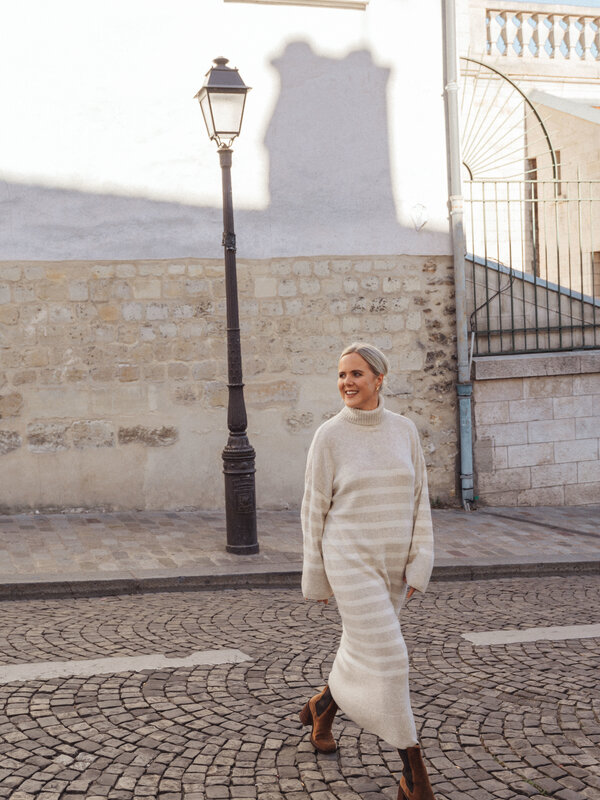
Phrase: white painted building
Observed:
(104, 155)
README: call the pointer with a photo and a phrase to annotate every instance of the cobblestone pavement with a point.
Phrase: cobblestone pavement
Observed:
(503, 721)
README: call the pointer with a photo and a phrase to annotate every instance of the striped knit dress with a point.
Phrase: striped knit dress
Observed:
(366, 524)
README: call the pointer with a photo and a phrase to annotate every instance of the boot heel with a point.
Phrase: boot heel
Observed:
(306, 716)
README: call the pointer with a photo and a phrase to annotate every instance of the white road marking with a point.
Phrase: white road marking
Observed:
(44, 670)
(556, 633)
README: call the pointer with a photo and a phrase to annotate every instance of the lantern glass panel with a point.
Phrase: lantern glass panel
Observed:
(227, 109)
(206, 113)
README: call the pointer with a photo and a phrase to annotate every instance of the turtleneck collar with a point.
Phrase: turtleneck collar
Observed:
(360, 417)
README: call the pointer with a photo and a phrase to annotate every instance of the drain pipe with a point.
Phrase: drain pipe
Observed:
(464, 387)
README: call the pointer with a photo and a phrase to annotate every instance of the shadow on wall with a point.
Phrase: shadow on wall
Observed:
(328, 145)
(330, 185)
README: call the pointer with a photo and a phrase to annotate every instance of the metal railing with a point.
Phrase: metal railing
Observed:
(534, 253)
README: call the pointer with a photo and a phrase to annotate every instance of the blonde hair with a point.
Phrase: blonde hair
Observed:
(378, 363)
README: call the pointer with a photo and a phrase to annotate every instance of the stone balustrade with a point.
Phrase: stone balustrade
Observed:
(543, 35)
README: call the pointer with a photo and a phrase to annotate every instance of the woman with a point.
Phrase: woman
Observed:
(368, 539)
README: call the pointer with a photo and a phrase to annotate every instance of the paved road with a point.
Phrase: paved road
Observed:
(504, 721)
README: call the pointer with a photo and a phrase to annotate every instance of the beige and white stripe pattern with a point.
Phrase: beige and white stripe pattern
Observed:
(366, 523)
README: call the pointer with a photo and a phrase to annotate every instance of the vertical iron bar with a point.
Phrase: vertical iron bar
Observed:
(486, 270)
(499, 264)
(529, 215)
(579, 226)
(545, 229)
(570, 281)
(511, 278)
(522, 212)
(535, 208)
(558, 259)
(470, 184)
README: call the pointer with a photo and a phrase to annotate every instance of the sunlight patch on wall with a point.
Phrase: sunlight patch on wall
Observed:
(117, 115)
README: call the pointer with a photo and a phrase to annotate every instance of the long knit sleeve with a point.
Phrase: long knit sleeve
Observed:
(315, 505)
(420, 556)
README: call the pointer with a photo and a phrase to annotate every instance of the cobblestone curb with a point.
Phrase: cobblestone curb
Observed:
(106, 587)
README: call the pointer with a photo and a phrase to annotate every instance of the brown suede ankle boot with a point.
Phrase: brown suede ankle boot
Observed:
(319, 712)
(414, 783)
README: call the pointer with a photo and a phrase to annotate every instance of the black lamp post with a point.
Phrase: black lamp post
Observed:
(222, 100)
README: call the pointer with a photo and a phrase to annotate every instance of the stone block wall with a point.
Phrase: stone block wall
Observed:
(113, 375)
(537, 428)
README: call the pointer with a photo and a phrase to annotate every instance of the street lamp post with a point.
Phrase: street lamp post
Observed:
(222, 99)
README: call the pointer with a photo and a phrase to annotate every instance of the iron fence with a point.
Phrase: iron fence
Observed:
(534, 250)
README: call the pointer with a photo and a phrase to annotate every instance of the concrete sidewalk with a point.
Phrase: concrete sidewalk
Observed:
(63, 555)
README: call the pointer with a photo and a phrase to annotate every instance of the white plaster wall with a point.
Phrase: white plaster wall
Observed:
(103, 152)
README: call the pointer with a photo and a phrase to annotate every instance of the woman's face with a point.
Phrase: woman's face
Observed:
(358, 385)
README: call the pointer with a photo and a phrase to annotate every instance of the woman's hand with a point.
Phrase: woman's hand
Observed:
(410, 592)
(319, 601)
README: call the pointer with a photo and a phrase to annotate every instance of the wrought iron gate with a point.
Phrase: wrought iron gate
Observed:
(534, 252)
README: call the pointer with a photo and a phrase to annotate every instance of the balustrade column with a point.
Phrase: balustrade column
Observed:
(543, 36)
(497, 31)
(534, 36)
(587, 37)
(555, 36)
(514, 33)
(572, 35)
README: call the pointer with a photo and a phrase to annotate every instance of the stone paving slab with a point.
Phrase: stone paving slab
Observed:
(552, 633)
(112, 553)
(88, 668)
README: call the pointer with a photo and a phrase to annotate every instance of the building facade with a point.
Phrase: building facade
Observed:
(112, 300)
(531, 140)
(112, 309)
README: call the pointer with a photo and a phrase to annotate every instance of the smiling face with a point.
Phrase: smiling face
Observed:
(357, 383)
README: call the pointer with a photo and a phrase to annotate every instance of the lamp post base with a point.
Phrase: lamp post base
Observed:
(251, 550)
(240, 496)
